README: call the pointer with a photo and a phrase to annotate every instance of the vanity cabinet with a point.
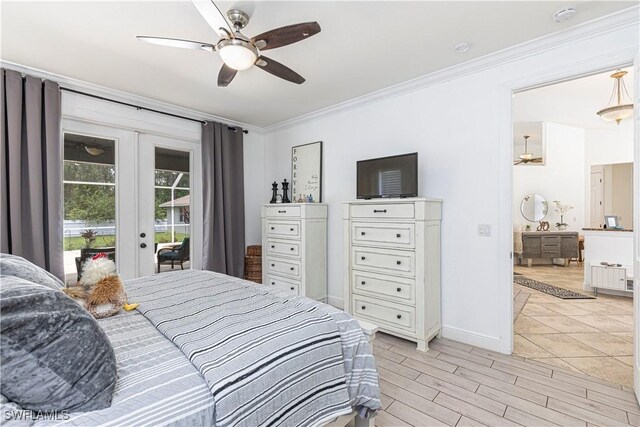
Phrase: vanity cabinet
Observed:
(392, 260)
(551, 245)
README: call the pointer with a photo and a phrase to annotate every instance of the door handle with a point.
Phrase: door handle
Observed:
(143, 245)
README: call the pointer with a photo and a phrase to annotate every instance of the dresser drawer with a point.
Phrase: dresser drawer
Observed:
(289, 267)
(383, 260)
(292, 286)
(385, 234)
(277, 228)
(377, 211)
(283, 247)
(282, 211)
(372, 284)
(385, 313)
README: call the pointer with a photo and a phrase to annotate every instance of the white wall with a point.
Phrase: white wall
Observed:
(560, 178)
(256, 191)
(460, 139)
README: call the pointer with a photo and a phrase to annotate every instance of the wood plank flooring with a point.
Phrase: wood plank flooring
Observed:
(455, 384)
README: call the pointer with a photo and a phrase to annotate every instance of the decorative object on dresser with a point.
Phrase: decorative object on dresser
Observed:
(274, 192)
(392, 255)
(306, 171)
(543, 226)
(552, 244)
(294, 248)
(285, 192)
(253, 264)
(562, 210)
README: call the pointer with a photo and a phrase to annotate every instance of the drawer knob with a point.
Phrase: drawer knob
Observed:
(362, 258)
(273, 246)
(363, 283)
(364, 307)
(399, 316)
(291, 269)
(273, 283)
(292, 288)
(292, 249)
(398, 235)
(273, 265)
(379, 211)
(291, 229)
(273, 228)
(362, 233)
(399, 289)
(282, 211)
(398, 262)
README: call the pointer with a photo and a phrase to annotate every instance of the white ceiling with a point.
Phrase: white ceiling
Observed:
(364, 46)
(572, 103)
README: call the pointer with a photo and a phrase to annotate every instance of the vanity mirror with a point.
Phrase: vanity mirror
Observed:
(534, 207)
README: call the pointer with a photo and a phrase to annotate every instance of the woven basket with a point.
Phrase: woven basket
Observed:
(253, 268)
(254, 250)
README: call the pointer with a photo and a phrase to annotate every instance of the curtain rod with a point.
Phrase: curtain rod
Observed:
(138, 107)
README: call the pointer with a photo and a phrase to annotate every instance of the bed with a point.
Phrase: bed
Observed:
(208, 349)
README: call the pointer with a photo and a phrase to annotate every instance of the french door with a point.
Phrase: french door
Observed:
(135, 195)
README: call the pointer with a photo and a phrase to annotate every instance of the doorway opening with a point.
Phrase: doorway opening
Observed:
(573, 268)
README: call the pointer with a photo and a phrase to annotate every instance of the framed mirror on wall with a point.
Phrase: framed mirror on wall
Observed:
(534, 207)
(306, 172)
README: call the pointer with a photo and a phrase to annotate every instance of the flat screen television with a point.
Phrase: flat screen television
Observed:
(395, 176)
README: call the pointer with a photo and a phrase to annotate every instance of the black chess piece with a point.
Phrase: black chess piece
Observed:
(285, 191)
(274, 192)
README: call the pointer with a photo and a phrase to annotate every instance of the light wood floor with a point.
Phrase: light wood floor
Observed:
(459, 385)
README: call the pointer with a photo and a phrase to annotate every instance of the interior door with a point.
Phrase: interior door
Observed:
(596, 197)
(169, 204)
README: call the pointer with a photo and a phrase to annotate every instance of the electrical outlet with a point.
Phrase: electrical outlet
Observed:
(484, 230)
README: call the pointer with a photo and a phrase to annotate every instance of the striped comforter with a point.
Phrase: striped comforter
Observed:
(268, 358)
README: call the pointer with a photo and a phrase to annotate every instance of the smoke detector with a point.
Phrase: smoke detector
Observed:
(564, 14)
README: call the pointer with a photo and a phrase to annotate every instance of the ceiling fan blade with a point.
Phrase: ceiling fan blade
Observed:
(279, 70)
(517, 163)
(225, 75)
(216, 20)
(286, 35)
(184, 44)
(537, 160)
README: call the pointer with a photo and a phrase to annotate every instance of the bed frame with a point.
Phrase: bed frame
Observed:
(353, 420)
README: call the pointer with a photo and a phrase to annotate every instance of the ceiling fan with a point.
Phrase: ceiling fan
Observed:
(527, 157)
(239, 52)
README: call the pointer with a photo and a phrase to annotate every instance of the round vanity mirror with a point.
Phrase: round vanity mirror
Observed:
(534, 207)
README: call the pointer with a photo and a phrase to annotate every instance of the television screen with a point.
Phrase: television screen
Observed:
(395, 176)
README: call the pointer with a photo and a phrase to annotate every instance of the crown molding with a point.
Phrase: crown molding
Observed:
(118, 95)
(587, 30)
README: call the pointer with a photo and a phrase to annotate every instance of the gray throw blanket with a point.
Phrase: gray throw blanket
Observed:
(269, 358)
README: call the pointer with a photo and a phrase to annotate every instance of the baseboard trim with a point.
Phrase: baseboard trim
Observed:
(335, 302)
(471, 338)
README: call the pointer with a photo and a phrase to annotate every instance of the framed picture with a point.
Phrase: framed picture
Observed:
(306, 171)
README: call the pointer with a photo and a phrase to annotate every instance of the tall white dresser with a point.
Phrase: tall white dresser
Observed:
(294, 248)
(392, 254)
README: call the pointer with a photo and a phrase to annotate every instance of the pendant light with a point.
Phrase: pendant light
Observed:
(623, 107)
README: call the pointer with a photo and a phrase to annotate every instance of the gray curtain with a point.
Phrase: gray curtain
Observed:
(31, 178)
(223, 187)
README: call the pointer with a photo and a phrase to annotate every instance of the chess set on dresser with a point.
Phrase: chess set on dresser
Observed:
(391, 269)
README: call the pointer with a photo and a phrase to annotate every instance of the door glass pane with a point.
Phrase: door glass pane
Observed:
(172, 209)
(89, 201)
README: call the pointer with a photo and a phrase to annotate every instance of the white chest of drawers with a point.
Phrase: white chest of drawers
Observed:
(392, 257)
(294, 248)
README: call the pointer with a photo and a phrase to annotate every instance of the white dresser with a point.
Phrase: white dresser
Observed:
(294, 248)
(392, 259)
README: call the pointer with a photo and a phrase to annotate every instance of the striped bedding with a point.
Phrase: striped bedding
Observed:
(269, 358)
(157, 385)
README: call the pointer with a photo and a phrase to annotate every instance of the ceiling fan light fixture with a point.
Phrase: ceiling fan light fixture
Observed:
(623, 107)
(94, 151)
(526, 156)
(237, 54)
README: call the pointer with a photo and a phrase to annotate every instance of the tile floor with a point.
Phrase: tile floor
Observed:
(591, 336)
